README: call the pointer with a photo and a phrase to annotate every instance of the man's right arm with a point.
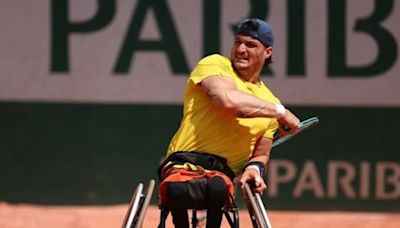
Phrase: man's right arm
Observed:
(223, 93)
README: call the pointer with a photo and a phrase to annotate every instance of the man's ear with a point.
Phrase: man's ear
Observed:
(268, 52)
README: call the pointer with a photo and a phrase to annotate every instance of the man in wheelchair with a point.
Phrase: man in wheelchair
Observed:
(229, 119)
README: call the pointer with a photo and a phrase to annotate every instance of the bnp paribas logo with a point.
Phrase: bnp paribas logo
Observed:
(336, 35)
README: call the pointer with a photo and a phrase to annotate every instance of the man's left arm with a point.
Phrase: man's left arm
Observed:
(255, 168)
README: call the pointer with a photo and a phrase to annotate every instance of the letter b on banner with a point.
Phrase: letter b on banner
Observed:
(386, 43)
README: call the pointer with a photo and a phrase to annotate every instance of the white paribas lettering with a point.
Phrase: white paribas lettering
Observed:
(364, 180)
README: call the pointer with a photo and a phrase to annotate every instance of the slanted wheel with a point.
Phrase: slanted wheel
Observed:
(145, 204)
(138, 206)
(133, 207)
(254, 208)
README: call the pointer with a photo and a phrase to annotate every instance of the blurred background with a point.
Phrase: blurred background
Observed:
(91, 93)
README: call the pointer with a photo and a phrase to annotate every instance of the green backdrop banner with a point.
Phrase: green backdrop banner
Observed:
(97, 153)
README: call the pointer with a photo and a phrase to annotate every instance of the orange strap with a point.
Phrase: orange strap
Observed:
(183, 175)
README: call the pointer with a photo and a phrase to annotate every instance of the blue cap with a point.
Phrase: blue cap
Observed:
(256, 28)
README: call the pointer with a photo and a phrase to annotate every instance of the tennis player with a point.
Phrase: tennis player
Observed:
(229, 119)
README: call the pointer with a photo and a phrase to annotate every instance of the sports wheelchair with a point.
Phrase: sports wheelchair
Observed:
(141, 199)
(259, 218)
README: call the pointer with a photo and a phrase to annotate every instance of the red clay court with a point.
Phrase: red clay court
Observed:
(35, 216)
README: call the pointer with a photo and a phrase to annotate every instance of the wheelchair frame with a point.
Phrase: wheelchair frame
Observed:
(140, 201)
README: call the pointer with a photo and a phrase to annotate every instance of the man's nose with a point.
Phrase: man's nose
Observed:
(241, 47)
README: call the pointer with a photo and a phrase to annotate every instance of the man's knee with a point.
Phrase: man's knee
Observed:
(176, 193)
(217, 191)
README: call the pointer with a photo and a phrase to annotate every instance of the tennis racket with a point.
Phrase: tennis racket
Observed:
(305, 124)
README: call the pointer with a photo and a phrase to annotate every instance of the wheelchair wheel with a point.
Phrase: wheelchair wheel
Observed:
(138, 206)
(256, 208)
(263, 211)
(145, 204)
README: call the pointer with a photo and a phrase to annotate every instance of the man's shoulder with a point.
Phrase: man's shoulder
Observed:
(215, 59)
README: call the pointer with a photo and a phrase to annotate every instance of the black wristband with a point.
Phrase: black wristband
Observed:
(260, 165)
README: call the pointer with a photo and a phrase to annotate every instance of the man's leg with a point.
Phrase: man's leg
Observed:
(177, 195)
(216, 195)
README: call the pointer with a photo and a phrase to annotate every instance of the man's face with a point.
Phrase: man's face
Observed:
(248, 53)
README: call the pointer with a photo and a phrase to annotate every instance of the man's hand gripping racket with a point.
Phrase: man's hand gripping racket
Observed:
(255, 205)
(305, 124)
